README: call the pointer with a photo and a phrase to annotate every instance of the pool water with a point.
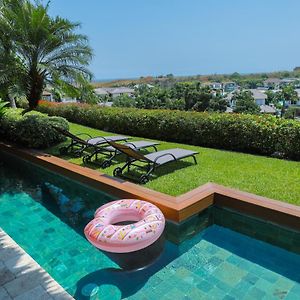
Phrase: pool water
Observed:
(217, 263)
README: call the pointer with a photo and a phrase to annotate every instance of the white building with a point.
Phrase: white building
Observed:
(272, 83)
(114, 92)
(259, 96)
(268, 109)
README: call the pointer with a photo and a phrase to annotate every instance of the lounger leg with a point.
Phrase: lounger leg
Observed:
(118, 171)
(145, 178)
(65, 150)
(107, 162)
(89, 157)
(79, 152)
(195, 160)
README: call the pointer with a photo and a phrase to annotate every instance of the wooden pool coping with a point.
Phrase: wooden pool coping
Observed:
(176, 209)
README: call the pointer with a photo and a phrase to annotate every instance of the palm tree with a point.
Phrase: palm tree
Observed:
(42, 50)
(8, 66)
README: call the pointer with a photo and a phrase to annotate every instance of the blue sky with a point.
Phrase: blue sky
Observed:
(133, 38)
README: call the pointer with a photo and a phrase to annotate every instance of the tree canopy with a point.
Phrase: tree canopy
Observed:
(245, 103)
(37, 49)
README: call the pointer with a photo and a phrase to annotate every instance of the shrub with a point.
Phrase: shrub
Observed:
(3, 108)
(32, 130)
(258, 134)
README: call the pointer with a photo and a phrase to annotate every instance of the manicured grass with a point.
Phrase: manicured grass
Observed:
(269, 177)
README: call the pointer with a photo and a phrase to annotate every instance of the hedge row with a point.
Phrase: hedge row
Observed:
(32, 130)
(265, 135)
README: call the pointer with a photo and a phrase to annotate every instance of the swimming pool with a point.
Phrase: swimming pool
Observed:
(214, 262)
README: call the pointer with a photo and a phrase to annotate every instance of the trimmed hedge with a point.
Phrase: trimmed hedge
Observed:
(258, 134)
(32, 130)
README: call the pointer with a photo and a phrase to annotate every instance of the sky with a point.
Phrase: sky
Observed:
(133, 38)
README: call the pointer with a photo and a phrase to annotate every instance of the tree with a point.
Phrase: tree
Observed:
(272, 97)
(288, 93)
(245, 103)
(8, 65)
(124, 101)
(42, 50)
(195, 96)
(151, 97)
(217, 104)
(3, 108)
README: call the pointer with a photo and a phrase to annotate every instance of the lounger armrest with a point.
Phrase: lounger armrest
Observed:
(166, 154)
(86, 134)
(102, 137)
(132, 144)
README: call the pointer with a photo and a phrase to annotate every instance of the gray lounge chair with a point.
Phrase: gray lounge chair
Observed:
(152, 160)
(78, 144)
(112, 152)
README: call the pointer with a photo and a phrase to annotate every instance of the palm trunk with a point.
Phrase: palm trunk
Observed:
(35, 90)
(12, 102)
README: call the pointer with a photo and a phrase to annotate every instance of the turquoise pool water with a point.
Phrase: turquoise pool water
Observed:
(217, 263)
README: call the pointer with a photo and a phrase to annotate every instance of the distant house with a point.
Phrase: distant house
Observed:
(289, 80)
(273, 83)
(106, 104)
(259, 97)
(147, 85)
(121, 91)
(229, 110)
(267, 109)
(100, 92)
(229, 99)
(216, 85)
(229, 87)
(47, 96)
(114, 92)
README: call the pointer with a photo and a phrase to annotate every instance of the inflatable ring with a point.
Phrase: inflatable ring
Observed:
(148, 227)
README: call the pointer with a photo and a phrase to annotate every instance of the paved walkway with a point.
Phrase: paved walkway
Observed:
(22, 278)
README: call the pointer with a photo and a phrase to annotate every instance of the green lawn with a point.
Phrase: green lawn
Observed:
(269, 177)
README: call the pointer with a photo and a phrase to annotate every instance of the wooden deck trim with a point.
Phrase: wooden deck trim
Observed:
(176, 209)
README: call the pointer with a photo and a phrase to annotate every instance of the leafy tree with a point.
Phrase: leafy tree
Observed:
(3, 107)
(272, 97)
(41, 50)
(57, 95)
(124, 101)
(151, 97)
(195, 96)
(235, 76)
(288, 93)
(292, 112)
(85, 91)
(217, 104)
(175, 104)
(201, 99)
(9, 71)
(245, 103)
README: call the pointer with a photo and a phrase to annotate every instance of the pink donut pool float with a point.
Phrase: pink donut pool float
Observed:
(148, 227)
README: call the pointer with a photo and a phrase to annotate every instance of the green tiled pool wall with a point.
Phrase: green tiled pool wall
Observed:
(32, 175)
(274, 234)
(265, 231)
(18, 175)
(178, 233)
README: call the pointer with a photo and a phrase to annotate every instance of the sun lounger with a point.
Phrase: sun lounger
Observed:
(79, 143)
(112, 152)
(152, 160)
